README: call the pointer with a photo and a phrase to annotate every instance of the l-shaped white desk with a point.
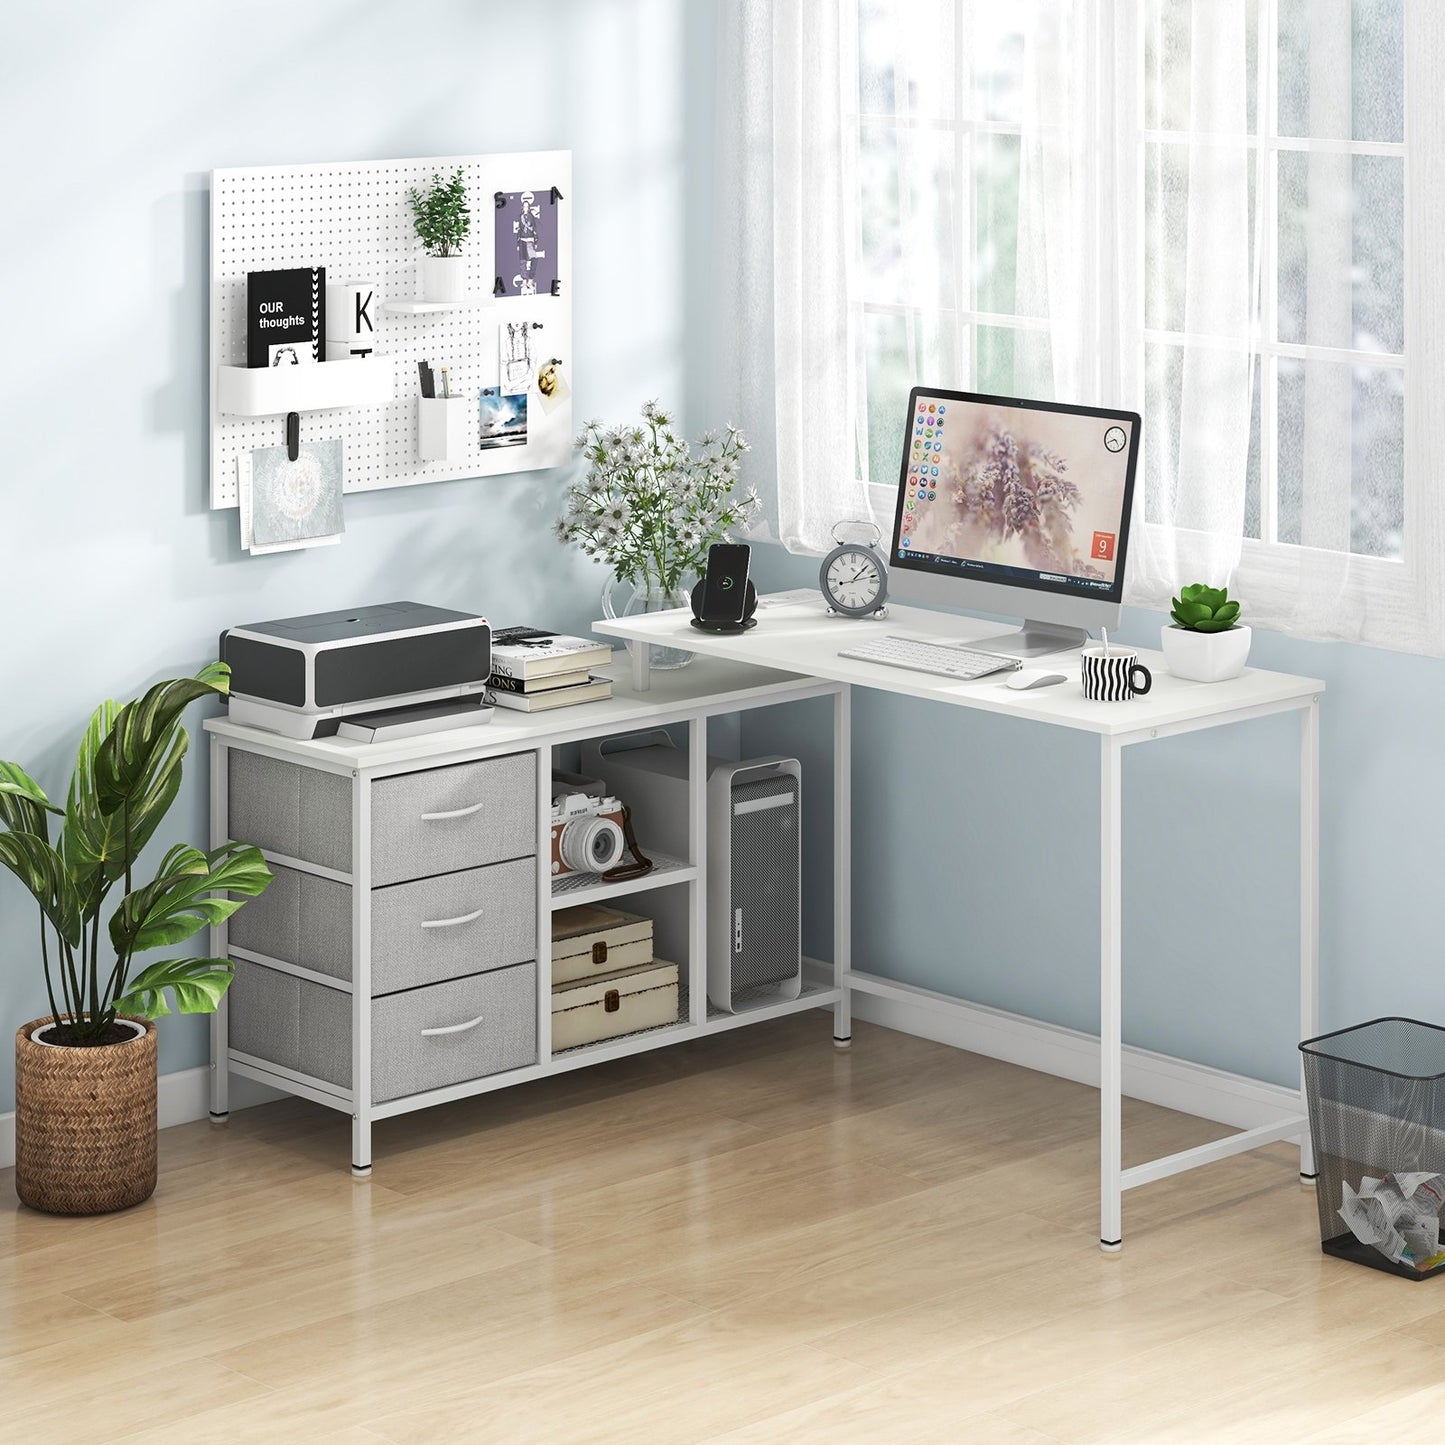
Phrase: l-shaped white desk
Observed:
(799, 637)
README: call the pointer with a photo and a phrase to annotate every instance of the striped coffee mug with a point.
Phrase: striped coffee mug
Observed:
(1114, 676)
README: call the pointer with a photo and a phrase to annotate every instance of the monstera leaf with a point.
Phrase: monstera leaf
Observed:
(36, 863)
(196, 983)
(135, 757)
(23, 804)
(180, 901)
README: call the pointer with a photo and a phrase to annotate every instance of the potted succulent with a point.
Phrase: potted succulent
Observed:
(85, 1077)
(1206, 642)
(442, 220)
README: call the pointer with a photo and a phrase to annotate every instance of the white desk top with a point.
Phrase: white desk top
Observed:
(713, 686)
(800, 637)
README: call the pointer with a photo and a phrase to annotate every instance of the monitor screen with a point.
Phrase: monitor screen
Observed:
(1024, 493)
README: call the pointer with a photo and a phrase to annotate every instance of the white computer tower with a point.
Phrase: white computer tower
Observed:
(754, 859)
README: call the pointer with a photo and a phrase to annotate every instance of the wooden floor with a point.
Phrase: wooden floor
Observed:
(750, 1238)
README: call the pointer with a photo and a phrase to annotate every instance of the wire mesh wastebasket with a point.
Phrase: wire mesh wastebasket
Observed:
(1376, 1096)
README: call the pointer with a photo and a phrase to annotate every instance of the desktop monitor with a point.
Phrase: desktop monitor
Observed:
(1014, 507)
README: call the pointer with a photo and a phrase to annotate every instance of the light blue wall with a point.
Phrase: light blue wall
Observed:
(976, 841)
(113, 573)
(976, 853)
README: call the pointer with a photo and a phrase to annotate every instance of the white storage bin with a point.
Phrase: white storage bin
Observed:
(443, 427)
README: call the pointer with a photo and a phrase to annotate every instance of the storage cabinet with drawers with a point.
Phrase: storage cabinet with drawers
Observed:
(401, 957)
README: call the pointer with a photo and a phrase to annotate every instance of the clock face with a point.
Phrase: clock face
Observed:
(853, 580)
(1115, 438)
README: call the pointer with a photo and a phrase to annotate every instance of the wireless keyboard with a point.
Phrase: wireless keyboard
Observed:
(934, 657)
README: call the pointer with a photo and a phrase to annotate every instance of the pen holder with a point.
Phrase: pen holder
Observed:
(442, 424)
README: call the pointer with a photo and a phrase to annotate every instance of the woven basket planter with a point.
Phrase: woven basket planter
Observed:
(85, 1123)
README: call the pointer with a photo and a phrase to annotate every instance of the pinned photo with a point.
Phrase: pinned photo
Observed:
(526, 242)
(502, 419)
(298, 502)
(514, 345)
(552, 384)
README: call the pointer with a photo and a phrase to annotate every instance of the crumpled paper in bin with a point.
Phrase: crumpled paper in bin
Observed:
(1399, 1216)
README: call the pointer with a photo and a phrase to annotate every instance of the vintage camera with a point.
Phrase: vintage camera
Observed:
(586, 826)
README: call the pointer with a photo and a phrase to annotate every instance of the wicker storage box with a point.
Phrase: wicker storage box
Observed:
(590, 941)
(590, 1009)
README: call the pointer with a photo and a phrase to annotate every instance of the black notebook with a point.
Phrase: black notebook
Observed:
(285, 316)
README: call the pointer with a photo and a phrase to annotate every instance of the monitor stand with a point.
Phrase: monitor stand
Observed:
(1033, 639)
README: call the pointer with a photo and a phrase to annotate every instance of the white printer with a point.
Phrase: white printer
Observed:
(301, 675)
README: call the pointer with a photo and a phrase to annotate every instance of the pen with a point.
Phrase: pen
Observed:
(446, 383)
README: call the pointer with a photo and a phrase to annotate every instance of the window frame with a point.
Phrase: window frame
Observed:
(1269, 562)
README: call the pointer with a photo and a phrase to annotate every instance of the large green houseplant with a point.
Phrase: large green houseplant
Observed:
(88, 1071)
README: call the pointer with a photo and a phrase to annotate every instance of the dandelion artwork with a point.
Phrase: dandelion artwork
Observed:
(1019, 490)
(650, 505)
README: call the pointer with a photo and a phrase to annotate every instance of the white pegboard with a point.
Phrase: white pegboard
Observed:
(353, 219)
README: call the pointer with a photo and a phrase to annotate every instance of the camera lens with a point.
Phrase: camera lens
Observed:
(591, 845)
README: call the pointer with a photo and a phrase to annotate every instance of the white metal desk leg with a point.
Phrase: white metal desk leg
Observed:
(641, 665)
(220, 1020)
(1309, 901)
(361, 977)
(842, 863)
(1111, 1043)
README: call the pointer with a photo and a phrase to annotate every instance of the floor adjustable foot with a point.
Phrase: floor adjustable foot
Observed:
(842, 1043)
(361, 1171)
(1111, 1246)
(220, 1118)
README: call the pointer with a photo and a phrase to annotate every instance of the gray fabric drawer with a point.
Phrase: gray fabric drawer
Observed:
(405, 953)
(443, 819)
(301, 918)
(285, 808)
(306, 1027)
(306, 920)
(406, 1061)
(291, 1021)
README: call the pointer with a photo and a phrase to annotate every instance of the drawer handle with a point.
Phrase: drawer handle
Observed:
(453, 1028)
(455, 813)
(452, 922)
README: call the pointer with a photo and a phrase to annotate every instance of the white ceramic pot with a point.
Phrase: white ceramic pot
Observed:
(443, 278)
(1205, 656)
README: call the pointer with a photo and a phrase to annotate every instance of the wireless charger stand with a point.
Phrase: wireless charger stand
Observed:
(726, 625)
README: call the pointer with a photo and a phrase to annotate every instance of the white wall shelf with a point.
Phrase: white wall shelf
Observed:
(429, 308)
(322, 386)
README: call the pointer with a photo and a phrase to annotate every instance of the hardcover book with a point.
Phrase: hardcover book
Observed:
(527, 653)
(537, 684)
(593, 691)
(285, 316)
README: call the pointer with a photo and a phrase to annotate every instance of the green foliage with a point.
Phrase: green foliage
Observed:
(127, 773)
(650, 506)
(440, 214)
(1201, 608)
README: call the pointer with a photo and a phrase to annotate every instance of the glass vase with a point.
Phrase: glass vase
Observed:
(648, 597)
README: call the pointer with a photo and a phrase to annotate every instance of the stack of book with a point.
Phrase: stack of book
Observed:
(534, 671)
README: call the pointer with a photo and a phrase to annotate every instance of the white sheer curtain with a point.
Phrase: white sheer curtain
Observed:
(787, 238)
(1235, 270)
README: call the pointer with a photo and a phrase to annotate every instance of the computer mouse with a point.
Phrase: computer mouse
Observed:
(1031, 677)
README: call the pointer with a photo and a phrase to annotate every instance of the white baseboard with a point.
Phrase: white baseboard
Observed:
(1067, 1054)
(181, 1098)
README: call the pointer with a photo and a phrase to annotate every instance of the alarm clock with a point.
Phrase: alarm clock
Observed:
(854, 576)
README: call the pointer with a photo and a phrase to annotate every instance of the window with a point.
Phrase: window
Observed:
(1302, 133)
